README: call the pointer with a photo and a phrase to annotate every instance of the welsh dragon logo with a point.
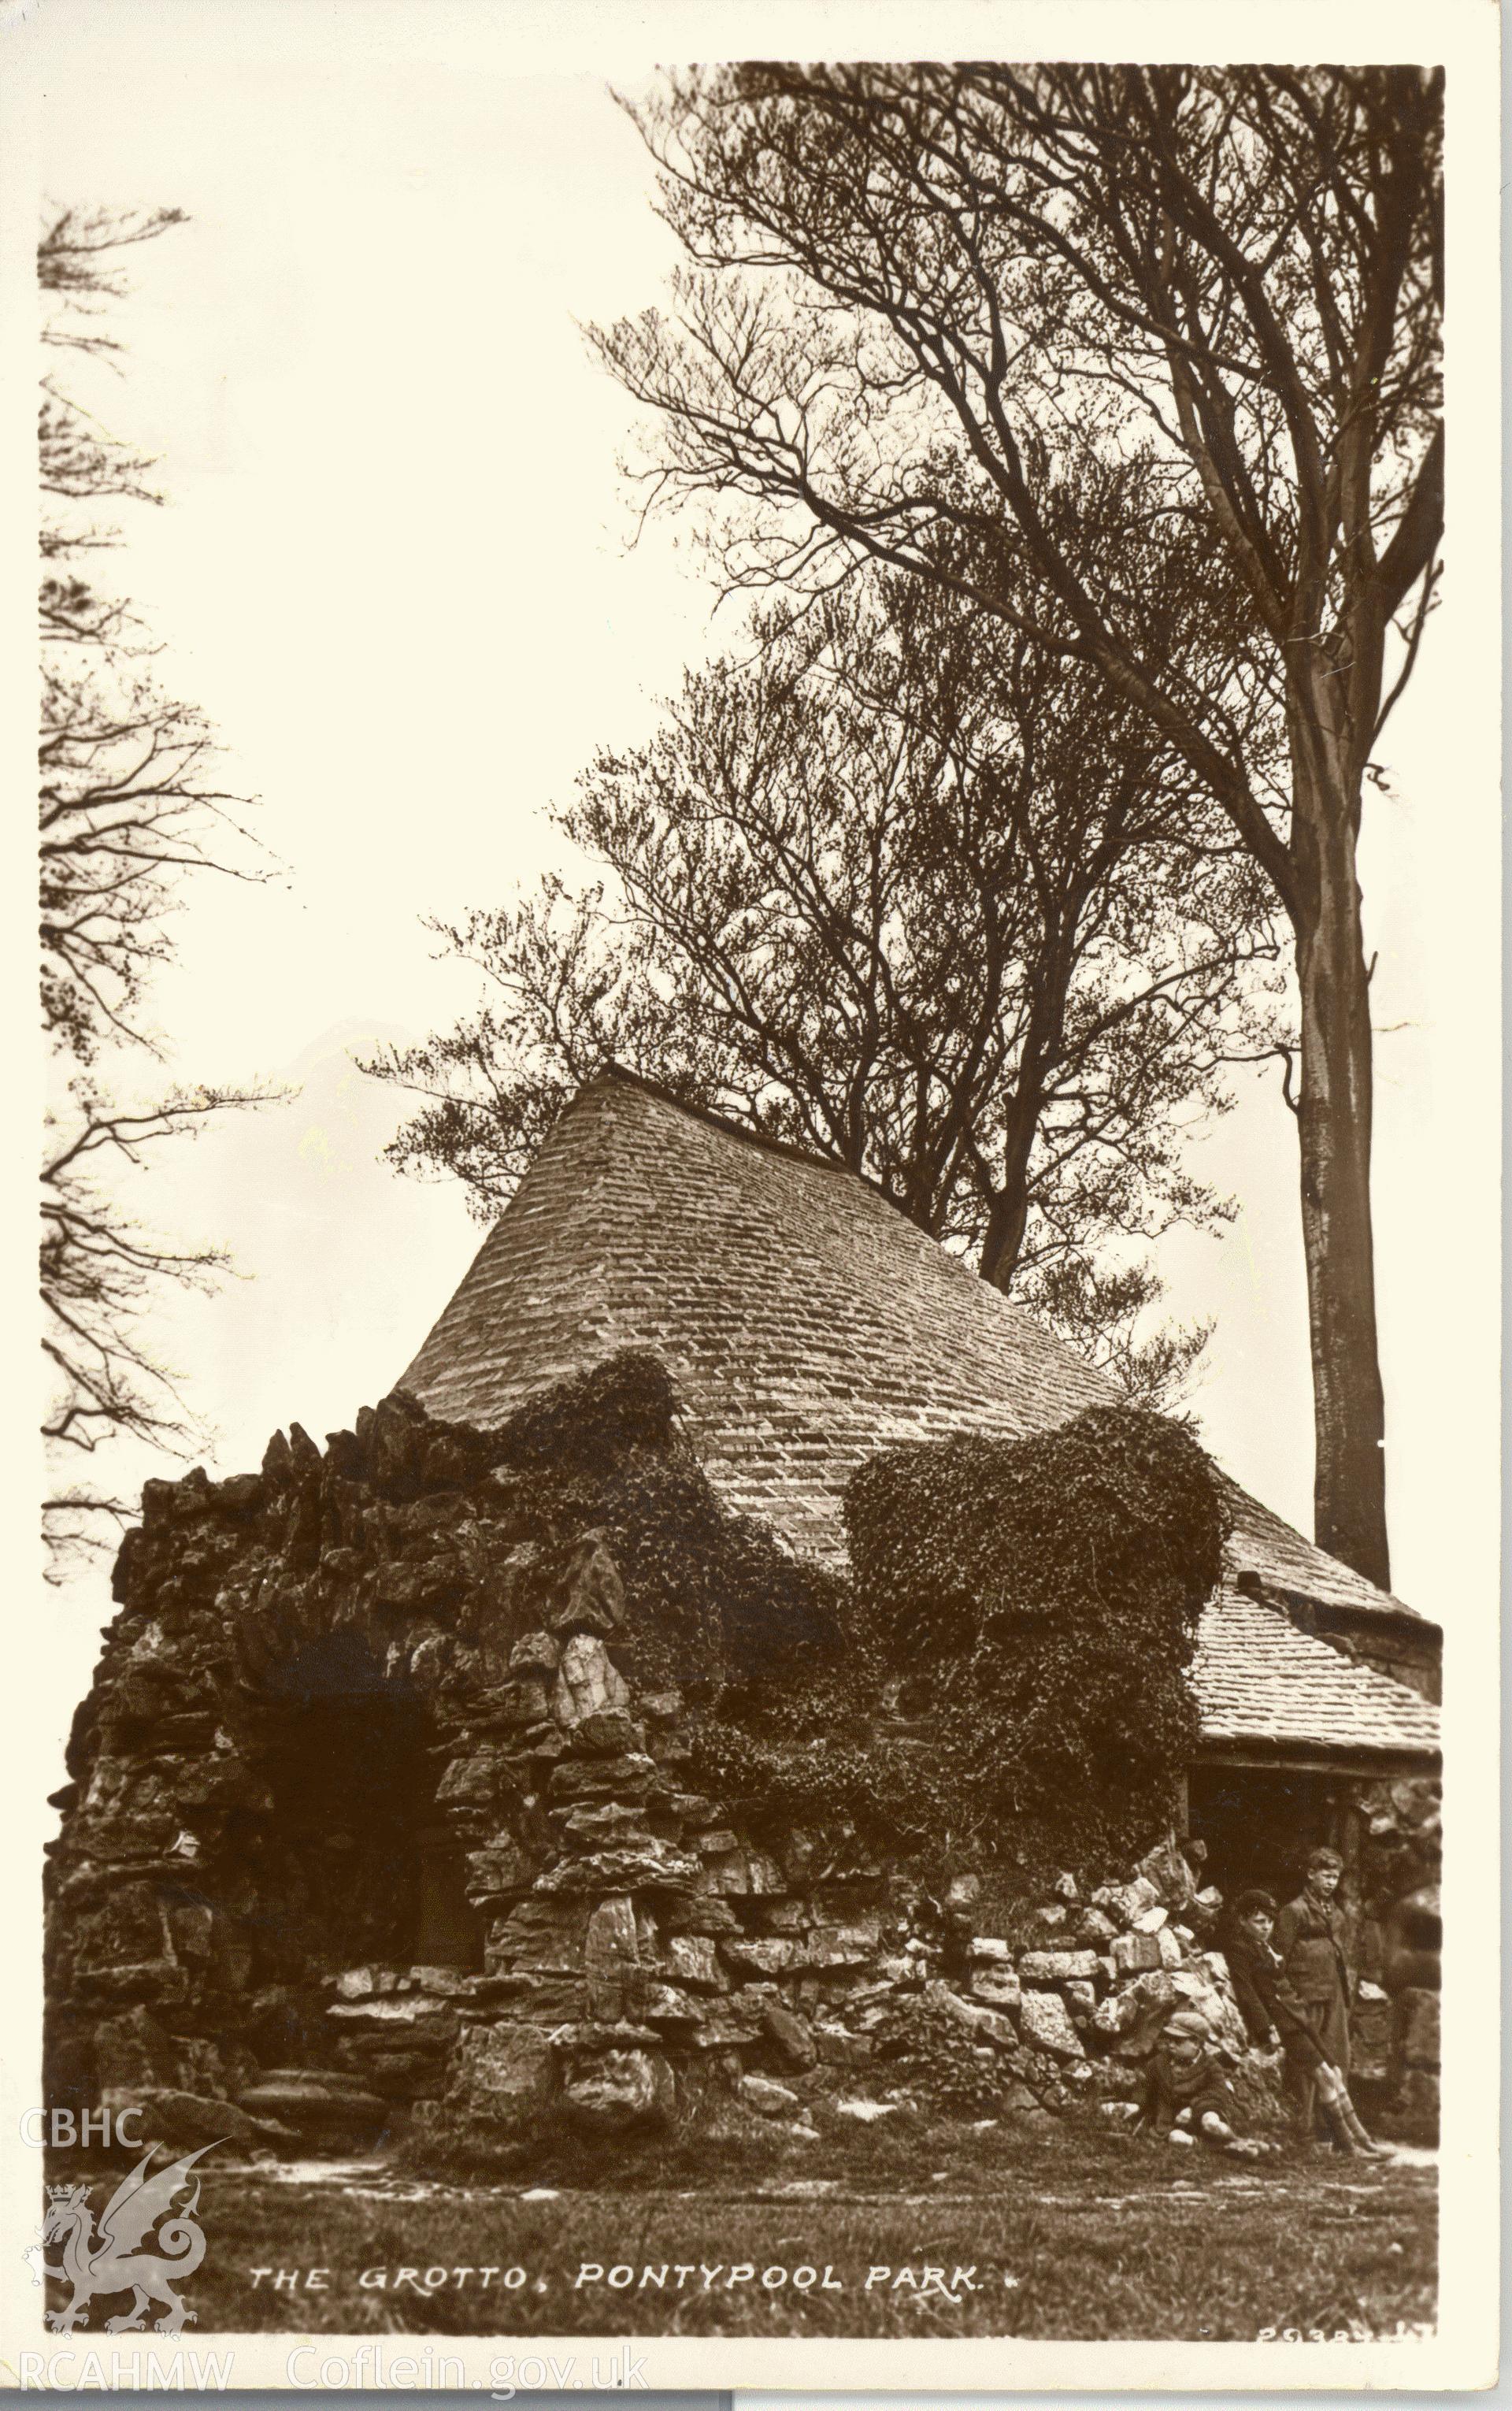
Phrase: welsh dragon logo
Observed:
(111, 2262)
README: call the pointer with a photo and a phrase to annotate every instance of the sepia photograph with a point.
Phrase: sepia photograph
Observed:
(764, 1651)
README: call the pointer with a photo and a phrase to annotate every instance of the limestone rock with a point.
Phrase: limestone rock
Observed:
(417, 2012)
(1124, 1902)
(1058, 1966)
(1153, 1999)
(694, 1960)
(1019, 2103)
(784, 1916)
(411, 1583)
(1166, 1871)
(1045, 2024)
(990, 1946)
(542, 1936)
(314, 2101)
(768, 2099)
(838, 2047)
(609, 1821)
(586, 1680)
(664, 2004)
(989, 2025)
(718, 2032)
(193, 2120)
(508, 2069)
(768, 1955)
(608, 1733)
(798, 1855)
(1191, 1985)
(611, 1953)
(1417, 2026)
(584, 2037)
(474, 1779)
(702, 1914)
(999, 1987)
(843, 1946)
(1134, 1954)
(651, 1862)
(450, 1983)
(792, 2037)
(501, 1867)
(628, 1776)
(662, 1707)
(536, 1653)
(1119, 2013)
(616, 2092)
(134, 2053)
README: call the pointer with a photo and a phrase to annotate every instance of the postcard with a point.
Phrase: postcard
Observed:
(765, 1654)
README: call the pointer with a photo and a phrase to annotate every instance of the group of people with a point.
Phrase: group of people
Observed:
(1294, 1986)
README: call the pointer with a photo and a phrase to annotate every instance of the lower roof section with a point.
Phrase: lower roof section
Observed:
(1265, 1688)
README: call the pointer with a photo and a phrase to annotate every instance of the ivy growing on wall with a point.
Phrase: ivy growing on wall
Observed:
(712, 1598)
(1029, 1608)
(1006, 1673)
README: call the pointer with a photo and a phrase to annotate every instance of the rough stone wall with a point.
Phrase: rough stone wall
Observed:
(641, 1949)
(1397, 2024)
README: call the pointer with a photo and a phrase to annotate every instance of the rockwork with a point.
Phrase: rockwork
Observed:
(625, 1952)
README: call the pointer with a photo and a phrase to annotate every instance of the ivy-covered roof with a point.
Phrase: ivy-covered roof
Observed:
(804, 1321)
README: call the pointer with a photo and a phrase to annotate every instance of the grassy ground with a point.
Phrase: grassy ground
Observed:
(1068, 2231)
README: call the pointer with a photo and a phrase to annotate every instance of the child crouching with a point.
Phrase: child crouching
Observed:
(1186, 2094)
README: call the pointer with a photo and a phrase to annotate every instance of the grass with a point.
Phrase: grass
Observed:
(1069, 2233)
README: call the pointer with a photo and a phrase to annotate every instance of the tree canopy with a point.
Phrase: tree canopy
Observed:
(1071, 315)
(894, 891)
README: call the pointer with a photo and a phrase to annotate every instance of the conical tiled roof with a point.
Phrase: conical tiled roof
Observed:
(806, 1322)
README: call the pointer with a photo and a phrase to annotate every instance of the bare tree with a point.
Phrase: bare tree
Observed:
(128, 795)
(893, 891)
(129, 802)
(930, 297)
(101, 1274)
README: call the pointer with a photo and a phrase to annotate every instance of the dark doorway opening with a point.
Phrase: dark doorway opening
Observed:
(1260, 1822)
(362, 1867)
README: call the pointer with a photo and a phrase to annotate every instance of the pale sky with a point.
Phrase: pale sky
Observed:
(396, 573)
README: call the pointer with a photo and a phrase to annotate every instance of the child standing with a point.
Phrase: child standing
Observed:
(1272, 2015)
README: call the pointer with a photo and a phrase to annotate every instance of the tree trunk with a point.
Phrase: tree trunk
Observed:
(1007, 1215)
(1334, 1128)
(1007, 1219)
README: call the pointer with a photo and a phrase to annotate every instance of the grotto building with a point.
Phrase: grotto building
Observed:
(389, 1801)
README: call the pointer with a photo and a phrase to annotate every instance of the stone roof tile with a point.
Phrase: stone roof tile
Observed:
(1259, 1681)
